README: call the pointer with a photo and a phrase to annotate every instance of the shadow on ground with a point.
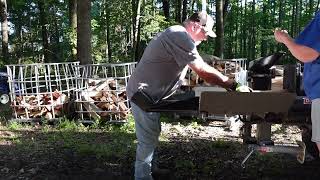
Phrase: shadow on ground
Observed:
(42, 154)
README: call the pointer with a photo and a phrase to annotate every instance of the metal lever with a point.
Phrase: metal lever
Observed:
(298, 151)
(246, 158)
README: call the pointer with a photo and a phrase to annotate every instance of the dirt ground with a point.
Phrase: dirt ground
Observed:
(209, 150)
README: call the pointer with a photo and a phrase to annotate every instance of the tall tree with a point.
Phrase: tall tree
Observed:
(84, 32)
(166, 9)
(178, 10)
(73, 28)
(107, 33)
(184, 10)
(264, 26)
(219, 29)
(4, 29)
(44, 31)
(136, 27)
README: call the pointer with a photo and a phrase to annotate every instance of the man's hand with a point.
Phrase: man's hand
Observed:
(282, 36)
(231, 85)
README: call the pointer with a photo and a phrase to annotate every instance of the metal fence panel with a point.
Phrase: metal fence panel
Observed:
(39, 91)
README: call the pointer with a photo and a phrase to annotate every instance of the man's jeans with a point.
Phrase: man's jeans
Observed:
(148, 129)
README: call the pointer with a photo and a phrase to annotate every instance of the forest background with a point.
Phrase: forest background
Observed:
(111, 31)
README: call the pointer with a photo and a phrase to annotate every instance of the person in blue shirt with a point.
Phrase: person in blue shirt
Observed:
(306, 48)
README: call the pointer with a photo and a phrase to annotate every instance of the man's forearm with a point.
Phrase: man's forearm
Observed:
(301, 52)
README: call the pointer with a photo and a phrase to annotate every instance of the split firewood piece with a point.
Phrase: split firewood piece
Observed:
(112, 84)
(19, 99)
(103, 98)
(37, 113)
(57, 112)
(20, 111)
(61, 100)
(31, 99)
(104, 114)
(94, 93)
(102, 85)
(48, 115)
(114, 98)
(91, 110)
(46, 99)
(56, 94)
(103, 105)
(218, 67)
(122, 106)
(49, 108)
(93, 82)
(123, 115)
(91, 107)
(123, 95)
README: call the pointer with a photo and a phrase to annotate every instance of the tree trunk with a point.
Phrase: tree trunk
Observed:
(73, 27)
(184, 10)
(166, 9)
(225, 9)
(252, 48)
(136, 30)
(84, 32)
(44, 31)
(178, 11)
(219, 29)
(57, 50)
(244, 31)
(264, 26)
(107, 31)
(237, 31)
(4, 29)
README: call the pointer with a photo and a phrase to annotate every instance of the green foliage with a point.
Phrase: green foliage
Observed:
(152, 24)
(68, 125)
(247, 31)
(15, 125)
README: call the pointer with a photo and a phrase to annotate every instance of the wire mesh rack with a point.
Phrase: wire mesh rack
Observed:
(101, 93)
(40, 91)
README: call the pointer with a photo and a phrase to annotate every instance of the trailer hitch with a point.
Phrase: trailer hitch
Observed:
(298, 151)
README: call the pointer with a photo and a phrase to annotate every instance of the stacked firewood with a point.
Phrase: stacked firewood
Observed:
(227, 68)
(47, 105)
(105, 99)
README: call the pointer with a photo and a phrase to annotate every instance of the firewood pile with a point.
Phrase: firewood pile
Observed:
(47, 105)
(227, 67)
(105, 100)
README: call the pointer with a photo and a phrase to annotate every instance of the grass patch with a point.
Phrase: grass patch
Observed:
(14, 126)
(111, 141)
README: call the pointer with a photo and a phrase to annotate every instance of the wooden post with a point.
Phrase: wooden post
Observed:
(264, 131)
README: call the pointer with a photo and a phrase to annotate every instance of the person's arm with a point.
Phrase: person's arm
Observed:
(211, 75)
(301, 52)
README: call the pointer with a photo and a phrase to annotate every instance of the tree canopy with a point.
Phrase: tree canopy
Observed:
(107, 31)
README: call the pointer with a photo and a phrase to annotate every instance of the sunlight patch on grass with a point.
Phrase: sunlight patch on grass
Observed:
(15, 126)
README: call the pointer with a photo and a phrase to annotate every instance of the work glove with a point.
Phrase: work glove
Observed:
(243, 88)
(235, 86)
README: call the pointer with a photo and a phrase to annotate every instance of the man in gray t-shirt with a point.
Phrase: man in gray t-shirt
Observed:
(164, 63)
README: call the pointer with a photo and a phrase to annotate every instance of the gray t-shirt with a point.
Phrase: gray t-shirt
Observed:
(164, 63)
